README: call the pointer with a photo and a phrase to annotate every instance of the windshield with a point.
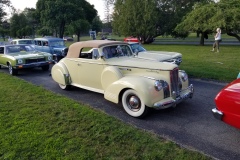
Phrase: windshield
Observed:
(116, 51)
(136, 47)
(26, 42)
(19, 48)
(57, 43)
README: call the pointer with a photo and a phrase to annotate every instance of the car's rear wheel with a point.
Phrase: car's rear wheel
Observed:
(45, 68)
(133, 104)
(64, 87)
(11, 70)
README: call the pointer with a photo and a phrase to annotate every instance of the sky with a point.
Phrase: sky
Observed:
(21, 4)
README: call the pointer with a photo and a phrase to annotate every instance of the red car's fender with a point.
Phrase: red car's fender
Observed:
(228, 102)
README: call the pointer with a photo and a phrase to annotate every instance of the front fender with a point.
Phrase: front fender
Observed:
(142, 85)
(60, 74)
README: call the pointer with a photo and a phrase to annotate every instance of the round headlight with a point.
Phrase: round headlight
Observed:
(158, 85)
(183, 76)
(19, 61)
(49, 58)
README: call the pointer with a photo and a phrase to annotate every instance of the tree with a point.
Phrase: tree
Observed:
(57, 14)
(198, 20)
(206, 18)
(19, 26)
(150, 18)
(79, 26)
(97, 24)
(128, 19)
(171, 12)
(3, 5)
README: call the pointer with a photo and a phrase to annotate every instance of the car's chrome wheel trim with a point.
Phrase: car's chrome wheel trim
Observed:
(10, 69)
(134, 103)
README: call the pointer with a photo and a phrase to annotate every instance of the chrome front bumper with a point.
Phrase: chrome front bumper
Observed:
(173, 101)
(217, 114)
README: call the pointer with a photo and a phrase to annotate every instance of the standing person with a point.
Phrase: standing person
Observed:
(218, 39)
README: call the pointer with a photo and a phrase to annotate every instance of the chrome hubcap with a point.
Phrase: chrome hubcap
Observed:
(134, 103)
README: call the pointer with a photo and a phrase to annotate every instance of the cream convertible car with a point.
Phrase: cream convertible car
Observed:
(111, 68)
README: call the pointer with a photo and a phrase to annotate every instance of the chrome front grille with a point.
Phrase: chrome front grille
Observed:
(35, 60)
(174, 81)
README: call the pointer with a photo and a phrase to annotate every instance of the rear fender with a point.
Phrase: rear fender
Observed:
(60, 74)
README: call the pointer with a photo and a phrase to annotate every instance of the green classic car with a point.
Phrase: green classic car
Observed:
(17, 57)
(111, 68)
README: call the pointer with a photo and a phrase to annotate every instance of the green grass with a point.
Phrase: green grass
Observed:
(38, 124)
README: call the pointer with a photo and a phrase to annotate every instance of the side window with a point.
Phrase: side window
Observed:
(39, 43)
(45, 43)
(1, 50)
(95, 53)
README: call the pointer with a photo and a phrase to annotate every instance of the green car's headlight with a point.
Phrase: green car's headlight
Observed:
(19, 61)
(49, 58)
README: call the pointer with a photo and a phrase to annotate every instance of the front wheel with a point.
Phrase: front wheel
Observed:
(133, 104)
(11, 70)
(64, 87)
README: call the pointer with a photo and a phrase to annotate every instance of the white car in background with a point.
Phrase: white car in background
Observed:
(161, 56)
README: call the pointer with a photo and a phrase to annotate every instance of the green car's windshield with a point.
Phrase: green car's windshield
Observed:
(19, 48)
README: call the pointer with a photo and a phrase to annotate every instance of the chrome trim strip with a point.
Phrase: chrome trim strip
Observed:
(217, 114)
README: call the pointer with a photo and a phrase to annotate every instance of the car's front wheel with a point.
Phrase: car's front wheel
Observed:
(64, 87)
(133, 104)
(11, 70)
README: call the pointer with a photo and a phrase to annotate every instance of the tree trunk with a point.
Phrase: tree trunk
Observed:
(78, 36)
(233, 35)
(202, 39)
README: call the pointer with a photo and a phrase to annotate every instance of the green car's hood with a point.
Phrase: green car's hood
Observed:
(18, 55)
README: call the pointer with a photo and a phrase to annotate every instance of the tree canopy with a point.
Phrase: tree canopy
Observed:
(57, 14)
(206, 18)
(147, 19)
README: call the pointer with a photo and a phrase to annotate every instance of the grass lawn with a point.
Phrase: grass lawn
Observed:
(38, 124)
(199, 62)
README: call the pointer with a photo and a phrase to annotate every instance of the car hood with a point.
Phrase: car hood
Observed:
(158, 55)
(140, 63)
(58, 48)
(28, 54)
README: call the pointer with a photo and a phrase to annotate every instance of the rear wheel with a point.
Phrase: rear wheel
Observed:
(64, 87)
(133, 104)
(11, 70)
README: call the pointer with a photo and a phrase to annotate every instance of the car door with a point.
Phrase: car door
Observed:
(90, 71)
(38, 45)
(1, 54)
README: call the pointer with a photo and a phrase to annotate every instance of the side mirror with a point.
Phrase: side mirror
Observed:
(136, 52)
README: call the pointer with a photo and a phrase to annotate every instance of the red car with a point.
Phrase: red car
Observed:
(228, 104)
(131, 39)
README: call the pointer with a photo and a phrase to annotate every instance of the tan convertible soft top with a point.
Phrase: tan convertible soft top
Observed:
(75, 48)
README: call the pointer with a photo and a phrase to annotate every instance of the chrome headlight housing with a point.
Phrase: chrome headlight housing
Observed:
(49, 58)
(158, 85)
(183, 76)
(19, 61)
